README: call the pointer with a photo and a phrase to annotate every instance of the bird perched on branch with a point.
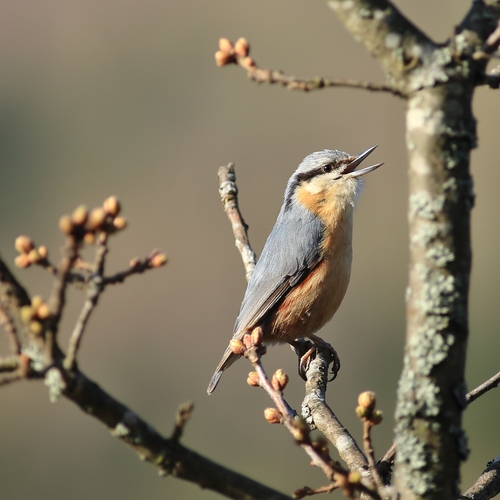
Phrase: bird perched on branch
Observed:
(305, 266)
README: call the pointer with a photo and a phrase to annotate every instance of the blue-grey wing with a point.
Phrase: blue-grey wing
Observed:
(291, 251)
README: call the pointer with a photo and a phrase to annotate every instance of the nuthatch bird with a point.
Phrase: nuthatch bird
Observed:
(304, 269)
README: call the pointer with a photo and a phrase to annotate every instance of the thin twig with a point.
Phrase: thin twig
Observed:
(229, 197)
(9, 364)
(370, 453)
(487, 485)
(318, 414)
(385, 463)
(94, 289)
(136, 267)
(239, 55)
(333, 471)
(183, 415)
(10, 329)
(491, 383)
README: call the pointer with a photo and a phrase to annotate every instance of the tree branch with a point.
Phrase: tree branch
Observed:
(487, 485)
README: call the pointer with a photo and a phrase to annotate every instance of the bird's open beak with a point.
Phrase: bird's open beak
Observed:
(349, 168)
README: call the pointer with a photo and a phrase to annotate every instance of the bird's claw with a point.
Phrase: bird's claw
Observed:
(306, 351)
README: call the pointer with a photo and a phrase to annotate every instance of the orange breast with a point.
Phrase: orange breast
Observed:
(313, 302)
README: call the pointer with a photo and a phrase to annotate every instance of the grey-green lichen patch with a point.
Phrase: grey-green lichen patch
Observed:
(393, 40)
(439, 291)
(423, 205)
(120, 430)
(55, 383)
(414, 455)
(430, 347)
(440, 255)
(426, 232)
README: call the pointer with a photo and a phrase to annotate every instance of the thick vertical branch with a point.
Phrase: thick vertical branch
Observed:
(430, 442)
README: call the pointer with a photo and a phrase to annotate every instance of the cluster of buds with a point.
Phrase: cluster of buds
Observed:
(156, 259)
(231, 54)
(35, 315)
(28, 253)
(249, 343)
(84, 225)
(366, 408)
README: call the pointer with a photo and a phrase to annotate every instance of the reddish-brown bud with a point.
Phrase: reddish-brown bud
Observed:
(253, 379)
(119, 223)
(22, 261)
(248, 62)
(43, 252)
(159, 260)
(23, 244)
(97, 217)
(367, 400)
(79, 216)
(112, 206)
(65, 225)
(223, 58)
(237, 346)
(273, 416)
(247, 340)
(225, 45)
(43, 311)
(89, 238)
(280, 380)
(256, 336)
(134, 262)
(241, 47)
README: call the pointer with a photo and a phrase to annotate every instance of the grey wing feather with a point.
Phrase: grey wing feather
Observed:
(287, 257)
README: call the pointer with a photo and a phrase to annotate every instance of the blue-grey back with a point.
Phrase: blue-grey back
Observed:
(291, 250)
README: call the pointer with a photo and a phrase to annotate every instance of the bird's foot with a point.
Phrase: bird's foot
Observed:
(306, 350)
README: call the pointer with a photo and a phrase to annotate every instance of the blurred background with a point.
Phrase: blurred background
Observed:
(123, 97)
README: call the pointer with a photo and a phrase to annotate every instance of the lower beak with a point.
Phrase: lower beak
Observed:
(349, 169)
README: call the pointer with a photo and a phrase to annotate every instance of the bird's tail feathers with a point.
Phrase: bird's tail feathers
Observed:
(227, 360)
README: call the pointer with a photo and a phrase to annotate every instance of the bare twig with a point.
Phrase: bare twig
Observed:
(370, 454)
(183, 415)
(299, 429)
(156, 259)
(9, 364)
(487, 485)
(239, 55)
(168, 455)
(10, 329)
(483, 388)
(387, 461)
(229, 197)
(319, 415)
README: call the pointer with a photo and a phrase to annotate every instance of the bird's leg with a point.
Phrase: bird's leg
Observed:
(305, 348)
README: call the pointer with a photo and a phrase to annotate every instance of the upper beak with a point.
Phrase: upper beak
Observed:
(349, 169)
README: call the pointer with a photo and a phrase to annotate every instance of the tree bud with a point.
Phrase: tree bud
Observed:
(96, 219)
(112, 206)
(273, 416)
(253, 379)
(23, 244)
(79, 215)
(22, 261)
(241, 47)
(237, 346)
(280, 380)
(65, 225)
(367, 400)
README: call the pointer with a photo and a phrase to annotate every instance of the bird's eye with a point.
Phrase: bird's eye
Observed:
(327, 168)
